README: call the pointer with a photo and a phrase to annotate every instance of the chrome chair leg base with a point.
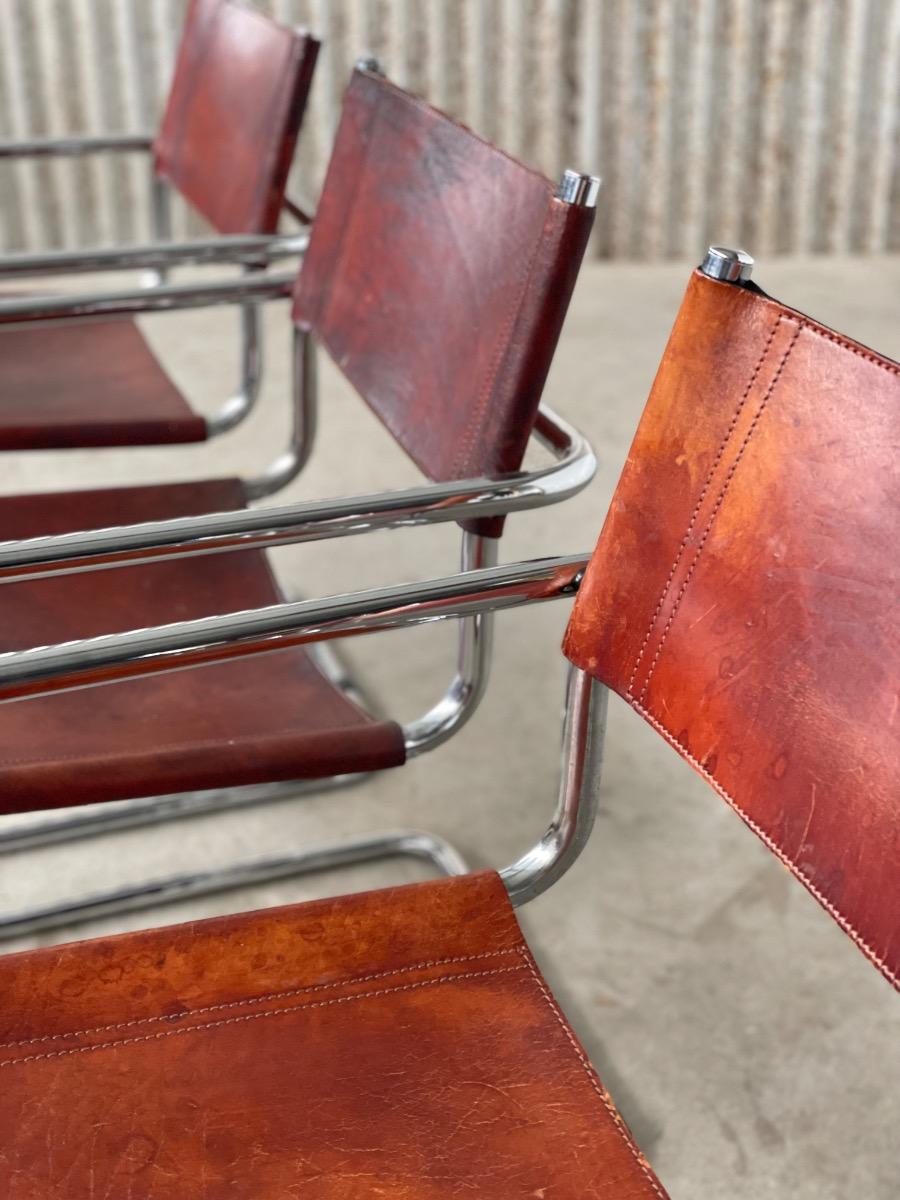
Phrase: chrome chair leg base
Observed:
(411, 843)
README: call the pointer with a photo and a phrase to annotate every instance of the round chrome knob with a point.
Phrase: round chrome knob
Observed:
(731, 266)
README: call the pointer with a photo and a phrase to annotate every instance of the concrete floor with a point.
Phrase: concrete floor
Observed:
(751, 1047)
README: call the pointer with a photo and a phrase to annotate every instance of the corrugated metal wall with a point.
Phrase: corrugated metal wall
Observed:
(771, 123)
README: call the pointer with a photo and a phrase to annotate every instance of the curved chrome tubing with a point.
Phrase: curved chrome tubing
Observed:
(530, 875)
(304, 424)
(240, 405)
(189, 644)
(473, 660)
(403, 842)
(584, 730)
(458, 500)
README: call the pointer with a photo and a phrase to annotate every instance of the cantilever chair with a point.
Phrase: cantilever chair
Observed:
(740, 598)
(225, 143)
(437, 277)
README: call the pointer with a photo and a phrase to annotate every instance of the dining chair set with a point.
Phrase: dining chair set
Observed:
(741, 596)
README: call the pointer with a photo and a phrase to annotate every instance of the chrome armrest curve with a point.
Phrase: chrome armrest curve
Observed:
(584, 728)
(166, 298)
(51, 147)
(184, 645)
(244, 529)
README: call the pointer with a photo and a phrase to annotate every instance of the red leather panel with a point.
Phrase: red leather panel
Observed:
(438, 276)
(88, 383)
(398, 1043)
(237, 99)
(743, 594)
(267, 718)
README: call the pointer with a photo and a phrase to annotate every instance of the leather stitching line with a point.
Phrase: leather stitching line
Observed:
(779, 853)
(266, 996)
(891, 367)
(271, 1012)
(594, 1081)
(723, 445)
(719, 502)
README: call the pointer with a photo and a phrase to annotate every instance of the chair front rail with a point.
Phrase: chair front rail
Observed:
(184, 645)
(245, 529)
(244, 250)
(51, 147)
(166, 298)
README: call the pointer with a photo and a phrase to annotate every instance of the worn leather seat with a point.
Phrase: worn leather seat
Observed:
(271, 718)
(225, 143)
(392, 1044)
(88, 383)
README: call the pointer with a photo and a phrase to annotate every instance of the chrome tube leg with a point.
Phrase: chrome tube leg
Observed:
(473, 660)
(303, 431)
(160, 203)
(238, 406)
(399, 843)
(584, 729)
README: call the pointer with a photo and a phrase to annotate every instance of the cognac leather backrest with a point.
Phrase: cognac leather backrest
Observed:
(438, 276)
(237, 99)
(743, 596)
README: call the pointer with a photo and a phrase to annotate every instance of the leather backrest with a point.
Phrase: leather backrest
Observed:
(743, 595)
(237, 99)
(437, 277)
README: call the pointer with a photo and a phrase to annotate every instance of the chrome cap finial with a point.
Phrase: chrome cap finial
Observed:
(578, 189)
(731, 266)
(369, 63)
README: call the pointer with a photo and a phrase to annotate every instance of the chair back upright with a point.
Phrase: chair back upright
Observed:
(743, 594)
(237, 99)
(438, 275)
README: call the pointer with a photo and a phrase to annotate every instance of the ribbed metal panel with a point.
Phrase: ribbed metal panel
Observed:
(770, 123)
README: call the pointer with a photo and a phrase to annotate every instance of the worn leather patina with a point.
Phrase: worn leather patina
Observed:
(438, 276)
(398, 1043)
(743, 595)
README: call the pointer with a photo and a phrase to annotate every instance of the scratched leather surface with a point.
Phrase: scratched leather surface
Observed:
(397, 1043)
(234, 109)
(743, 594)
(88, 383)
(438, 276)
(271, 717)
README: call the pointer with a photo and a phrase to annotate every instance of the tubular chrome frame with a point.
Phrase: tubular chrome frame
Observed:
(480, 591)
(217, 533)
(183, 645)
(445, 718)
(48, 147)
(242, 249)
(170, 297)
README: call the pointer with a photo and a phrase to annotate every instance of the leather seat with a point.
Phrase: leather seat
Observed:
(263, 719)
(88, 383)
(393, 1044)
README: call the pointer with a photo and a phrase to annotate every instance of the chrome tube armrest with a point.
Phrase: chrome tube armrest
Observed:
(52, 147)
(256, 250)
(245, 529)
(187, 644)
(159, 299)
